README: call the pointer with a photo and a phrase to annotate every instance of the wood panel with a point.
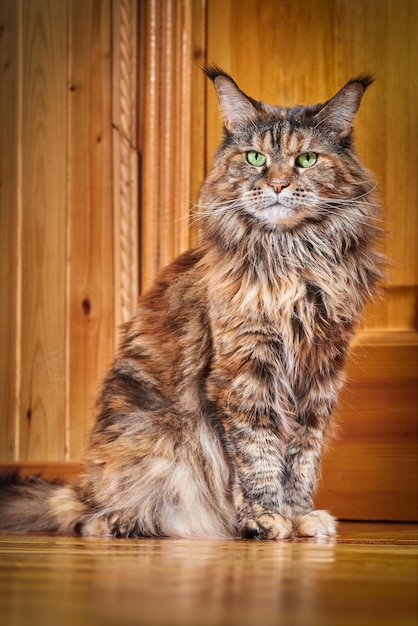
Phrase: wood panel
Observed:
(90, 221)
(43, 239)
(58, 305)
(370, 470)
(386, 44)
(9, 227)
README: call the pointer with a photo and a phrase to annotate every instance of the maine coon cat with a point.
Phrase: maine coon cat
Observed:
(212, 420)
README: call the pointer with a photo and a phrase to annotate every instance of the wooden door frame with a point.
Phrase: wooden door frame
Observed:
(158, 137)
(125, 201)
(171, 133)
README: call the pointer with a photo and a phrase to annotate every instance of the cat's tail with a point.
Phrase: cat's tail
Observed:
(33, 505)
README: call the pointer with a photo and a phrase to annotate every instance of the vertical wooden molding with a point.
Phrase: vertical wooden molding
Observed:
(125, 157)
(148, 138)
(171, 132)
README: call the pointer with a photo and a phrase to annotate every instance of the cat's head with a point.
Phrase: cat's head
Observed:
(285, 166)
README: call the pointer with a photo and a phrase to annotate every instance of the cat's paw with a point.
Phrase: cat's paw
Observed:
(123, 525)
(266, 525)
(315, 524)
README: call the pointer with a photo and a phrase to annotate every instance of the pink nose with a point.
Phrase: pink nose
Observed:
(278, 185)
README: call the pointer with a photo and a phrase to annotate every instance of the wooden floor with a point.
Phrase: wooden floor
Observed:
(367, 577)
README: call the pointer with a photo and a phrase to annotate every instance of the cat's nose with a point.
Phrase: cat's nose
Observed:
(278, 185)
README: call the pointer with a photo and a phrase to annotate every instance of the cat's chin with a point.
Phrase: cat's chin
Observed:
(281, 215)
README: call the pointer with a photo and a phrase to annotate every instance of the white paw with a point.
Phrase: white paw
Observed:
(315, 524)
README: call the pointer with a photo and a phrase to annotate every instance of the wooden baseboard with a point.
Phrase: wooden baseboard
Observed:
(67, 471)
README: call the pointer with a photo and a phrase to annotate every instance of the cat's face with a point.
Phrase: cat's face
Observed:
(282, 174)
(285, 166)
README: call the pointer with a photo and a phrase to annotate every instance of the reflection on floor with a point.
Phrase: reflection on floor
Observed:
(367, 577)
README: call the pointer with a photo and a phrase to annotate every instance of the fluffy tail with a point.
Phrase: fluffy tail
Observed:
(33, 505)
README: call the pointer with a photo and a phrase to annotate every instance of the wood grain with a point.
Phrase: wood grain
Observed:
(57, 282)
(10, 215)
(43, 242)
(90, 221)
(370, 470)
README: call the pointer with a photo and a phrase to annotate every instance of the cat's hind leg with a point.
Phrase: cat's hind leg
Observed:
(160, 477)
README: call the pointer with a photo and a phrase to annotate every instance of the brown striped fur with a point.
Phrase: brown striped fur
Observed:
(213, 418)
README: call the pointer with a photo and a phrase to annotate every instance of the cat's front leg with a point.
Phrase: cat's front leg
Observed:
(257, 490)
(254, 439)
(302, 461)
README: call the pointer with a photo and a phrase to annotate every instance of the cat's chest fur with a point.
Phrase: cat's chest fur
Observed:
(290, 316)
(299, 301)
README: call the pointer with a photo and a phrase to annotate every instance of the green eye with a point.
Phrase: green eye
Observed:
(256, 158)
(306, 159)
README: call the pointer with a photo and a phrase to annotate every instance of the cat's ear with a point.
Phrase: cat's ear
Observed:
(337, 114)
(237, 108)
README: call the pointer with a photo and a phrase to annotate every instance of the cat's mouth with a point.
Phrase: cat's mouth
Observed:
(279, 206)
(279, 214)
(280, 210)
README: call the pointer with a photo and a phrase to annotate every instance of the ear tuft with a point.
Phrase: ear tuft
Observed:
(337, 114)
(212, 71)
(238, 109)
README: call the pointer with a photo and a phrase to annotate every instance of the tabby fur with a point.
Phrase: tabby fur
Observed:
(213, 418)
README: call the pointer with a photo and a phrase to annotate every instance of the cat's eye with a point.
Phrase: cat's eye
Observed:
(306, 159)
(256, 158)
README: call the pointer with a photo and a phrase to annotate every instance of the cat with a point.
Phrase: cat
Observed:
(213, 418)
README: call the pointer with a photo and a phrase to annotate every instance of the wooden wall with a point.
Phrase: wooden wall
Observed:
(81, 141)
(56, 249)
